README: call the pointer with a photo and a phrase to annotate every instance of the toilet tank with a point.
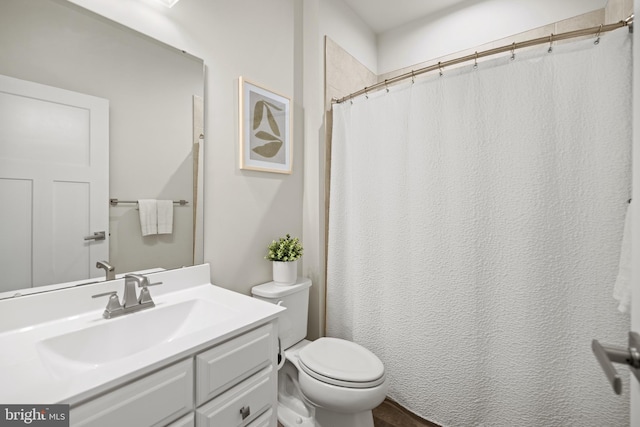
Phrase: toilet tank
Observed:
(292, 323)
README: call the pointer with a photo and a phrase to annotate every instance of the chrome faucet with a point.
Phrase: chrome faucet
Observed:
(130, 298)
(131, 302)
(108, 268)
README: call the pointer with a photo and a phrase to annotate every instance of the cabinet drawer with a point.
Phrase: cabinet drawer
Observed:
(227, 364)
(253, 397)
(186, 421)
(157, 399)
(263, 420)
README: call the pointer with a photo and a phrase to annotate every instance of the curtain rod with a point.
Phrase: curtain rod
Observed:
(506, 48)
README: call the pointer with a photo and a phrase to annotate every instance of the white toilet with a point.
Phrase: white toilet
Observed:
(329, 382)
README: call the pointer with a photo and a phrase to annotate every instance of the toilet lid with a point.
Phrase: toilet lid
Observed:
(342, 363)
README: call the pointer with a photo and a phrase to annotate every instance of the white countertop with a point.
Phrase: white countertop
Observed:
(26, 375)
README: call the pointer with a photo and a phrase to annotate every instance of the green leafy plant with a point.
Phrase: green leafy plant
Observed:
(285, 249)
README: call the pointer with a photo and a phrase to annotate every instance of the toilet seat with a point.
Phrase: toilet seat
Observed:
(341, 363)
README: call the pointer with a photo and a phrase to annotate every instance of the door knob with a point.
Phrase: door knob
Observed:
(98, 235)
(607, 356)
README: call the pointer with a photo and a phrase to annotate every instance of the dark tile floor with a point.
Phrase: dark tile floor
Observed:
(390, 414)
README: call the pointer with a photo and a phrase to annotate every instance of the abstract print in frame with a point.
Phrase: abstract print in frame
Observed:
(265, 129)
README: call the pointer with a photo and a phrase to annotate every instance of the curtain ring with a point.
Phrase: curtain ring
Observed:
(413, 77)
(550, 44)
(440, 68)
(597, 42)
(475, 63)
(385, 85)
(366, 95)
(513, 51)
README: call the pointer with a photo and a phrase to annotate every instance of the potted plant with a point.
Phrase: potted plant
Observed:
(284, 254)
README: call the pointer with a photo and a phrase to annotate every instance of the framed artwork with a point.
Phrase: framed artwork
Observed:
(265, 129)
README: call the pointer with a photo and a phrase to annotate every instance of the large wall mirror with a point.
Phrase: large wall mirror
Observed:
(154, 97)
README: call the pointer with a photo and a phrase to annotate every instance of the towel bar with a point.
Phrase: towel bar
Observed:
(115, 202)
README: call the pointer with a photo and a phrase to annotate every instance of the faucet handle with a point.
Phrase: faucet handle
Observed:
(153, 284)
(104, 294)
(113, 305)
(145, 296)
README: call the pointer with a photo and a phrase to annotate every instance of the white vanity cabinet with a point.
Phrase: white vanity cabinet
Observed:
(236, 381)
(186, 421)
(154, 400)
(233, 383)
(240, 405)
(265, 420)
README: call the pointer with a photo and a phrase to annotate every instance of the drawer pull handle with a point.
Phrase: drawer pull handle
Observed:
(245, 411)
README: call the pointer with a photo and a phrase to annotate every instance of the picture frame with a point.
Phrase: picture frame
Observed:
(265, 129)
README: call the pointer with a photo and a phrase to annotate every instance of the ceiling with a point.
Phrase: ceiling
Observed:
(383, 15)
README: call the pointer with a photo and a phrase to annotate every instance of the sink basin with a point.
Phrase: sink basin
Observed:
(114, 339)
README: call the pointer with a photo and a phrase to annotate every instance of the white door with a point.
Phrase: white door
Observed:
(54, 184)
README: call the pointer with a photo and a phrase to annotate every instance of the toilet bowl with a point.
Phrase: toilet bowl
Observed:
(329, 382)
(342, 380)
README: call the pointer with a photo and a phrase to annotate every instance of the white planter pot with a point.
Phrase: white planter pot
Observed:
(285, 273)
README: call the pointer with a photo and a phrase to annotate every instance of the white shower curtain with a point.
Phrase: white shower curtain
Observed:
(474, 233)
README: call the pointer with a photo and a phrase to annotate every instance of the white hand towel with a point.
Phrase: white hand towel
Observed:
(148, 216)
(622, 288)
(165, 216)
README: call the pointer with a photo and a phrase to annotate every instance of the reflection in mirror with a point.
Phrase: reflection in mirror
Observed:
(73, 83)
